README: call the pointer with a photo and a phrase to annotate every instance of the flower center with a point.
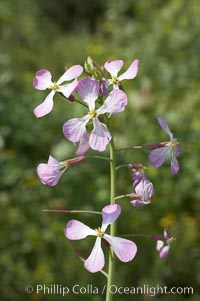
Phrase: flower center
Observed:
(64, 164)
(172, 143)
(169, 240)
(100, 233)
(115, 80)
(54, 86)
(92, 114)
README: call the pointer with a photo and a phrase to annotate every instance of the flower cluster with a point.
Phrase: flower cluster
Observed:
(75, 129)
(102, 96)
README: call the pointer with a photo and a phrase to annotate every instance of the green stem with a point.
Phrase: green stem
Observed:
(129, 148)
(122, 166)
(109, 296)
(71, 211)
(74, 100)
(98, 157)
(81, 103)
(122, 196)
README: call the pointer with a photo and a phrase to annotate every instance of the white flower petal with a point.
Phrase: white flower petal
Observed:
(95, 262)
(83, 145)
(76, 230)
(88, 89)
(71, 73)
(164, 252)
(74, 129)
(124, 249)
(131, 72)
(100, 136)
(68, 89)
(159, 245)
(42, 80)
(113, 67)
(114, 103)
(53, 162)
(46, 106)
(109, 214)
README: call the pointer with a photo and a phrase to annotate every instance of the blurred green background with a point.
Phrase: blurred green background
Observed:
(53, 34)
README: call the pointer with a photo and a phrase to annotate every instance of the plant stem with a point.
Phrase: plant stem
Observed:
(129, 148)
(122, 196)
(71, 211)
(112, 173)
(81, 103)
(122, 166)
(111, 264)
(98, 157)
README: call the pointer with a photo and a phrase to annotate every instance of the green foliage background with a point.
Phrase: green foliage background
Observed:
(53, 34)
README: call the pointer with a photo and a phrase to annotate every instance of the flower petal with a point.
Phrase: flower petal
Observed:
(145, 189)
(68, 89)
(137, 203)
(124, 249)
(131, 72)
(174, 165)
(71, 73)
(75, 128)
(159, 245)
(165, 126)
(46, 106)
(114, 103)
(137, 176)
(42, 80)
(158, 156)
(83, 145)
(95, 262)
(88, 89)
(109, 214)
(113, 67)
(177, 151)
(99, 137)
(49, 175)
(76, 230)
(166, 234)
(103, 87)
(164, 252)
(53, 162)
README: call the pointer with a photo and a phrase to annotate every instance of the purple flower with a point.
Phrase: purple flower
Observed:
(42, 81)
(75, 129)
(113, 67)
(162, 151)
(124, 249)
(143, 187)
(144, 191)
(51, 172)
(163, 243)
